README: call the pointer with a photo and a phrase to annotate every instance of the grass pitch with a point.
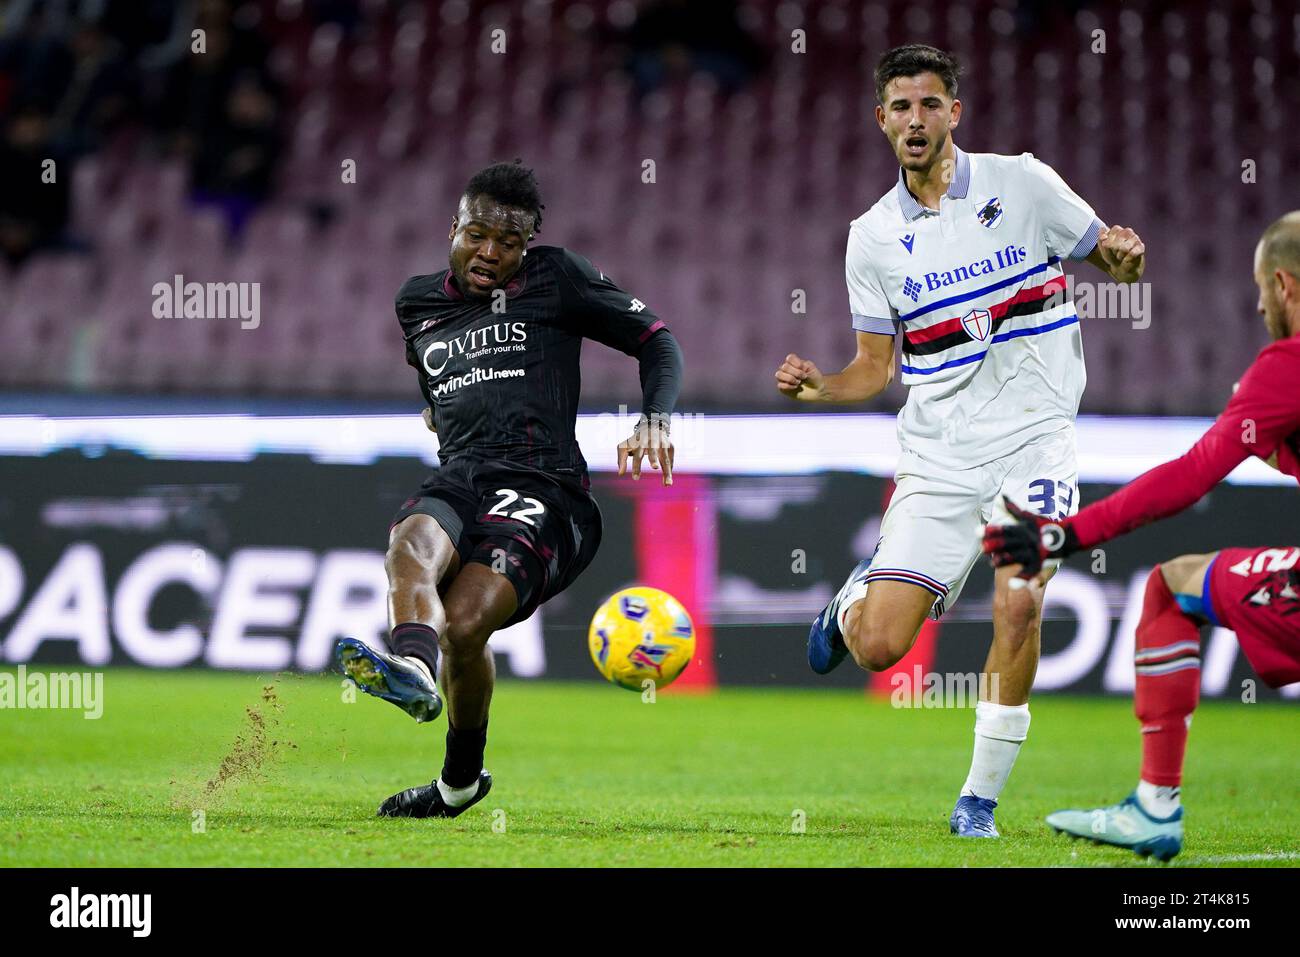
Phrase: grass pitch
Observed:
(199, 769)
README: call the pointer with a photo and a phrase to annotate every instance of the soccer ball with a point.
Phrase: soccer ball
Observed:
(640, 635)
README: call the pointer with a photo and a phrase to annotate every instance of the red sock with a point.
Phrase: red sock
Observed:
(1168, 662)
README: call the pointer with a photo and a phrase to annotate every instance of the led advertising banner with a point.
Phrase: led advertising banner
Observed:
(117, 558)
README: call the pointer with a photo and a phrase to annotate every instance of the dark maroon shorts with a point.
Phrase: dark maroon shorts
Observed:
(539, 529)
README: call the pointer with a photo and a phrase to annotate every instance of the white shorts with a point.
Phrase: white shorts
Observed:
(932, 531)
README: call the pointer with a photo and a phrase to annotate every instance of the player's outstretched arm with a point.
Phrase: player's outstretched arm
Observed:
(1272, 460)
(1260, 414)
(600, 310)
(1165, 490)
(868, 375)
(660, 364)
(1120, 253)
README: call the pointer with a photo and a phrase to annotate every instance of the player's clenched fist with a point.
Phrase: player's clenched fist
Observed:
(799, 379)
(1123, 252)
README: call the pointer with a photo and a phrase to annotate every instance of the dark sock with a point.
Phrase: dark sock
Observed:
(464, 760)
(412, 639)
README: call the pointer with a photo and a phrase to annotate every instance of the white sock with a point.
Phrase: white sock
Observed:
(855, 595)
(455, 797)
(1000, 729)
(1158, 800)
(424, 669)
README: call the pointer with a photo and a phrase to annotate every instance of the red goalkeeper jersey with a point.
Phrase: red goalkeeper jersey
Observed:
(1263, 417)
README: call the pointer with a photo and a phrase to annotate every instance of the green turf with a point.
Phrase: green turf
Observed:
(587, 774)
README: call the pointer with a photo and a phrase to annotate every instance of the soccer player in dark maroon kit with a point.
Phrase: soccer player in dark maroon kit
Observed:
(1252, 591)
(507, 521)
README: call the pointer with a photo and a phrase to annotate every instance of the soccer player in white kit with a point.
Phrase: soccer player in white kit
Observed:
(963, 258)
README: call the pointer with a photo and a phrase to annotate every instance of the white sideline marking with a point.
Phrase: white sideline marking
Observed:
(1241, 858)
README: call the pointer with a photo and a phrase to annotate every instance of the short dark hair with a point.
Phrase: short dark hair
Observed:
(510, 184)
(914, 58)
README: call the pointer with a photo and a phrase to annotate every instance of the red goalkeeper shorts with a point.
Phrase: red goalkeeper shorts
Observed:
(1256, 593)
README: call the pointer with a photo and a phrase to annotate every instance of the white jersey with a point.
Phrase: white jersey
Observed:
(991, 349)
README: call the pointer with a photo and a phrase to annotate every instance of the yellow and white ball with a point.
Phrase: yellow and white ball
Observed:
(639, 635)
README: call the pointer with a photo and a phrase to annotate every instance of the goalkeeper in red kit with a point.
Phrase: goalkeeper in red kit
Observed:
(1252, 591)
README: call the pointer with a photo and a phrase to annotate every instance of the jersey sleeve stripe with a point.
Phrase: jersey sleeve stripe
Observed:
(1088, 241)
(883, 327)
(654, 327)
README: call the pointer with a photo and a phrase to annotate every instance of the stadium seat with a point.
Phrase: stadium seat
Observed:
(752, 196)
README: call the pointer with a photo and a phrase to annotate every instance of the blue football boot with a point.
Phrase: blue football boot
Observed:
(973, 817)
(1126, 824)
(389, 677)
(826, 648)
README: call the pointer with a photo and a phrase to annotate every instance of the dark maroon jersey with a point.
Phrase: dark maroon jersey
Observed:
(502, 373)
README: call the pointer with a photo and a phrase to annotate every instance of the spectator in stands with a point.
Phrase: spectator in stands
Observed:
(671, 39)
(98, 92)
(235, 153)
(33, 209)
(35, 62)
(226, 107)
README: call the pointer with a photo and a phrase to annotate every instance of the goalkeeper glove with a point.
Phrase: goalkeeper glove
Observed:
(1028, 541)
